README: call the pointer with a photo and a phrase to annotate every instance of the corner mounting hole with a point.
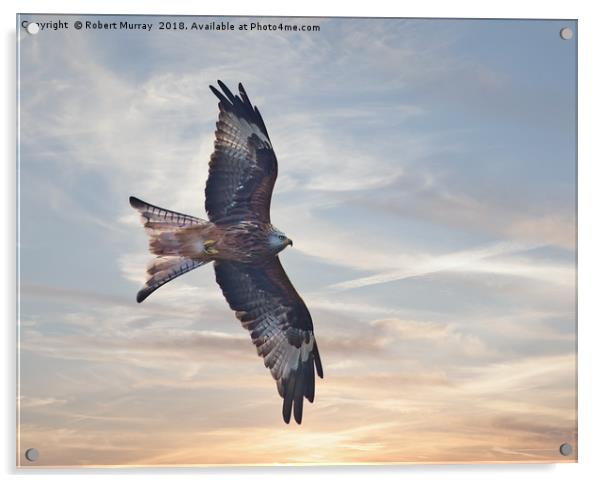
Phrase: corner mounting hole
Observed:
(566, 33)
(32, 454)
(565, 449)
(32, 28)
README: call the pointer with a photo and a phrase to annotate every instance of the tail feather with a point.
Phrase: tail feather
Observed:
(157, 218)
(175, 255)
(163, 270)
(164, 242)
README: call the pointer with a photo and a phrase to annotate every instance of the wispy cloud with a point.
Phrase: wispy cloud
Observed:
(33, 402)
(488, 259)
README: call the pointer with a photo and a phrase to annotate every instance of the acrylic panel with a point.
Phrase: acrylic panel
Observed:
(204, 202)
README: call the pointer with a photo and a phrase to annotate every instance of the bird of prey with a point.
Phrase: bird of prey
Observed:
(243, 245)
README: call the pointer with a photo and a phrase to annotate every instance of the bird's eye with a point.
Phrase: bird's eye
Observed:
(282, 237)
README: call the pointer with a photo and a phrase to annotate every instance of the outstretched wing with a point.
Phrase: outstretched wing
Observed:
(269, 307)
(243, 166)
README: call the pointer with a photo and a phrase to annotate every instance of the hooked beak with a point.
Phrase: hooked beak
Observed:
(289, 242)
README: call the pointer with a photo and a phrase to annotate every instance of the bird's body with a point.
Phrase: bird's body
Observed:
(246, 242)
(244, 245)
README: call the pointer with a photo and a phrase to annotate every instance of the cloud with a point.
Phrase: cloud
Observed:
(26, 402)
(189, 368)
(424, 196)
(487, 259)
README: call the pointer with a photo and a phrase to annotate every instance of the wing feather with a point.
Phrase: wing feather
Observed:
(243, 167)
(281, 328)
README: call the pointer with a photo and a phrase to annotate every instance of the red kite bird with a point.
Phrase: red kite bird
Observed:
(244, 247)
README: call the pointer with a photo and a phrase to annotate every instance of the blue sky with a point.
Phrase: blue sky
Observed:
(427, 176)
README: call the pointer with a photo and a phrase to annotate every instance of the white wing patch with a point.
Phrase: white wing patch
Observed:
(241, 129)
(279, 355)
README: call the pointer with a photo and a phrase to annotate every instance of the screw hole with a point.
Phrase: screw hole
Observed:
(32, 454)
(566, 33)
(565, 449)
(32, 28)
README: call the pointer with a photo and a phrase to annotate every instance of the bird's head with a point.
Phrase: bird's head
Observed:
(278, 241)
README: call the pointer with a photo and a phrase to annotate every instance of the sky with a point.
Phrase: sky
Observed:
(427, 175)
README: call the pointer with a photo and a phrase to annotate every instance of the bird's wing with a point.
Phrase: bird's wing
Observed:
(243, 166)
(269, 307)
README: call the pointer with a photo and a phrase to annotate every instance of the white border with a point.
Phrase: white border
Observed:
(590, 241)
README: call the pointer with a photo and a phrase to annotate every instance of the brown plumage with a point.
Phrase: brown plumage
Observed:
(243, 244)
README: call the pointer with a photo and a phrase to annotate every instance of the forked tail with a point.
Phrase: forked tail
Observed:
(175, 254)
